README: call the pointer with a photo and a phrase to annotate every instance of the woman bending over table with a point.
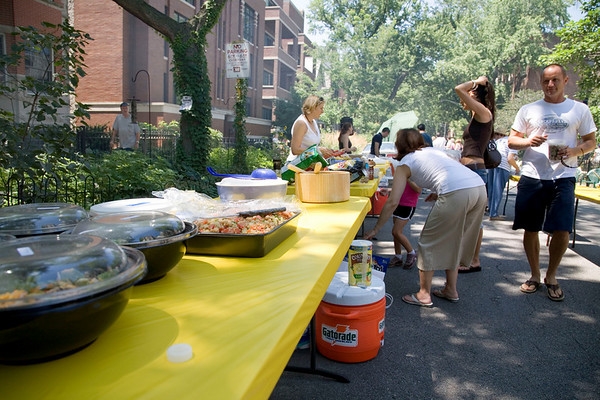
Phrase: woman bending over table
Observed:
(450, 233)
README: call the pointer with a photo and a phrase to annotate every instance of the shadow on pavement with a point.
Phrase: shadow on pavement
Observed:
(495, 343)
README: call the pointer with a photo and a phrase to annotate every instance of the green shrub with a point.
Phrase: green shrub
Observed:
(133, 173)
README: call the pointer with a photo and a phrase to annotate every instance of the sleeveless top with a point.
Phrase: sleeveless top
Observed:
(476, 137)
(312, 135)
(341, 145)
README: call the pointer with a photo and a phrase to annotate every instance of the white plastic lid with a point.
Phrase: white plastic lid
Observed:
(132, 205)
(179, 353)
(235, 182)
(340, 293)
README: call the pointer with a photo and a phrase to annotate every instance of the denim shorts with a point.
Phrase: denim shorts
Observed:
(404, 212)
(547, 205)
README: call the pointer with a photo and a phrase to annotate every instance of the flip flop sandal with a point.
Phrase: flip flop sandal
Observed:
(469, 269)
(412, 299)
(530, 286)
(442, 295)
(554, 288)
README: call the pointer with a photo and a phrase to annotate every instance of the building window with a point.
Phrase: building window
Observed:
(220, 84)
(267, 78)
(2, 52)
(179, 17)
(221, 34)
(251, 72)
(248, 106)
(38, 64)
(166, 87)
(192, 2)
(269, 40)
(267, 113)
(249, 23)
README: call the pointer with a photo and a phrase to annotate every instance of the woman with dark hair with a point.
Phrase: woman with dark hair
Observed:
(450, 232)
(346, 131)
(477, 97)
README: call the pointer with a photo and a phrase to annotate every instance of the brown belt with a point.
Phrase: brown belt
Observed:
(475, 166)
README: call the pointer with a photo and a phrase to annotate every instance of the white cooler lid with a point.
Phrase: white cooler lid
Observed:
(342, 294)
(133, 205)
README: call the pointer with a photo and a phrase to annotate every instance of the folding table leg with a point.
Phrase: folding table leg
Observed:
(575, 222)
(313, 359)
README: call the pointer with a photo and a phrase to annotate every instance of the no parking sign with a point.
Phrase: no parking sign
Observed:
(238, 60)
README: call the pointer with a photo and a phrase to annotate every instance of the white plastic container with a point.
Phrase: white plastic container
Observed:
(133, 205)
(245, 189)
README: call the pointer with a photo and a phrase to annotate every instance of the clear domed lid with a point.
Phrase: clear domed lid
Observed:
(132, 228)
(4, 237)
(43, 270)
(40, 218)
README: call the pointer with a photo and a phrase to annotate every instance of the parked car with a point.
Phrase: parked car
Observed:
(388, 149)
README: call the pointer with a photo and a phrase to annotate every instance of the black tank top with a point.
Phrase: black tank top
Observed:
(476, 137)
(342, 145)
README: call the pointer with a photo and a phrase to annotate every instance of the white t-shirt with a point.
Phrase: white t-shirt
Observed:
(126, 130)
(502, 146)
(565, 120)
(439, 142)
(311, 137)
(432, 169)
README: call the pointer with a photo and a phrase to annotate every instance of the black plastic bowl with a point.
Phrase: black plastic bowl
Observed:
(163, 255)
(160, 236)
(35, 330)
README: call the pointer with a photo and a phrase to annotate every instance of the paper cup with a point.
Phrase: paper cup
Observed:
(555, 146)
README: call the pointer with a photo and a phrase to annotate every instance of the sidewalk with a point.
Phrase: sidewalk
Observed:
(495, 343)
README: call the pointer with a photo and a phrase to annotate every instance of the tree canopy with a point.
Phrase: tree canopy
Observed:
(385, 56)
(579, 47)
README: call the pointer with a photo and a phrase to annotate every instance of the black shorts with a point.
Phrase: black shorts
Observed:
(547, 205)
(404, 212)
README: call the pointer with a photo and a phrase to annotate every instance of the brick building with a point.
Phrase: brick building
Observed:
(125, 49)
(27, 13)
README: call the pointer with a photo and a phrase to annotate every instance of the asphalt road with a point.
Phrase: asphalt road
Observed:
(495, 343)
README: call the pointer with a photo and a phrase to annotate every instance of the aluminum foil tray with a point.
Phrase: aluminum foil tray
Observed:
(239, 245)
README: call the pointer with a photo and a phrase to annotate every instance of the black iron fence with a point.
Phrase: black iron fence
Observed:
(84, 190)
(153, 143)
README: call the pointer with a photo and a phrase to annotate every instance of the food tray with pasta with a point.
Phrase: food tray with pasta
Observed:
(242, 235)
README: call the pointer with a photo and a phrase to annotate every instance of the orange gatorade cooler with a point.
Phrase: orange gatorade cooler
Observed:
(350, 320)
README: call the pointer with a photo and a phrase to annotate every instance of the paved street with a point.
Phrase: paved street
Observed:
(495, 343)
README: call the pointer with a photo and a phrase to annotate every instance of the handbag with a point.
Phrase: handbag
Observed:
(491, 156)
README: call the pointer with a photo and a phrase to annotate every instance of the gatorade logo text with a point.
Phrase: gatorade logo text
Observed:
(340, 335)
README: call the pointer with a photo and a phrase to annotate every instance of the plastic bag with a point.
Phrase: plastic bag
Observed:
(190, 205)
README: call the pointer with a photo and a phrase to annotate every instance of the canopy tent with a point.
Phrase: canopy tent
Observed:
(401, 120)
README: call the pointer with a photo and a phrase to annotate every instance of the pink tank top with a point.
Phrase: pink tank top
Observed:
(409, 198)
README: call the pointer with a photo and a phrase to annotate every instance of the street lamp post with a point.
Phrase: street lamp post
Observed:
(149, 109)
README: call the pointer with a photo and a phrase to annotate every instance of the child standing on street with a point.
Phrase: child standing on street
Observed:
(402, 214)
